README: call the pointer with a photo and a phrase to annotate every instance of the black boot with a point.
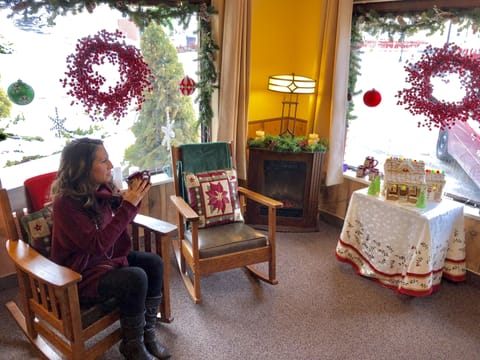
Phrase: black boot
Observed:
(151, 343)
(132, 346)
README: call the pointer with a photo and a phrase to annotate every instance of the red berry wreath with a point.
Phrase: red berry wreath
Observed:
(440, 62)
(85, 82)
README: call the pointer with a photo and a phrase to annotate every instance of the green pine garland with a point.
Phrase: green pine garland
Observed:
(140, 12)
(409, 23)
(207, 75)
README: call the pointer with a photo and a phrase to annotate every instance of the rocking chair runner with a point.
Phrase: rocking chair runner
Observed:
(50, 314)
(203, 246)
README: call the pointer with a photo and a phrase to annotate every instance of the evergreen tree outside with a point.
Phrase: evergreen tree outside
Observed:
(164, 108)
(5, 105)
(5, 108)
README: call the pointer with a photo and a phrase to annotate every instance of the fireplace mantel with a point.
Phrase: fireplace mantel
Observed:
(290, 177)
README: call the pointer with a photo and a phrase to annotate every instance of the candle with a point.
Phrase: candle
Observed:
(260, 135)
(312, 139)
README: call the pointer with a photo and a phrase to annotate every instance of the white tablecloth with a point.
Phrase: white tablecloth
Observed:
(401, 246)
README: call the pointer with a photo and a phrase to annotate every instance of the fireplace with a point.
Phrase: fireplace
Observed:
(293, 179)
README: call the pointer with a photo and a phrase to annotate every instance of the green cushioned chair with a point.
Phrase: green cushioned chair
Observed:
(212, 235)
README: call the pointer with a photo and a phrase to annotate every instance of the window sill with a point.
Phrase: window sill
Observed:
(469, 211)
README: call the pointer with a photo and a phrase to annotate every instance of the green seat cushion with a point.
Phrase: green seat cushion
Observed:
(226, 239)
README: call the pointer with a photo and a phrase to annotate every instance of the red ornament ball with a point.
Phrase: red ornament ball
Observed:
(372, 98)
(186, 86)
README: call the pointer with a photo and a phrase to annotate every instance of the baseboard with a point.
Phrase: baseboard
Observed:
(473, 278)
(8, 282)
(330, 218)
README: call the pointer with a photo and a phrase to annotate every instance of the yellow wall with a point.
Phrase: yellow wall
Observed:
(285, 37)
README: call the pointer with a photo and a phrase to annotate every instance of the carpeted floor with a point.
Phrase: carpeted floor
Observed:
(319, 310)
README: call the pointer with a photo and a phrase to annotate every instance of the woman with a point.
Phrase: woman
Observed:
(90, 219)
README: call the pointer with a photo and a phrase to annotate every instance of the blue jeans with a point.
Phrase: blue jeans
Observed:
(131, 285)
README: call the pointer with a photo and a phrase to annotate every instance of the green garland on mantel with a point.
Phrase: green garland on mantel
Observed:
(141, 13)
(288, 144)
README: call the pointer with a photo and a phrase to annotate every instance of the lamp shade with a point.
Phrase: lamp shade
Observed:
(292, 84)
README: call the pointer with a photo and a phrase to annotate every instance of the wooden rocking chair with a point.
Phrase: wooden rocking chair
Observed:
(204, 247)
(50, 313)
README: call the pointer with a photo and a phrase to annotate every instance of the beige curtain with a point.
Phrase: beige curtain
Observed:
(231, 31)
(331, 106)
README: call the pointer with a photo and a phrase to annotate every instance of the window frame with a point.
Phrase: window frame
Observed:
(409, 6)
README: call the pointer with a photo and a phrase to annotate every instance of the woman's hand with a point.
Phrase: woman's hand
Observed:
(136, 191)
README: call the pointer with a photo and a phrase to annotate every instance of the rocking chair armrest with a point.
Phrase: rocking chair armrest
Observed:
(32, 262)
(257, 197)
(154, 224)
(184, 209)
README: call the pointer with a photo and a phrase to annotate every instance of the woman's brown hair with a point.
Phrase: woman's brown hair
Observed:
(73, 176)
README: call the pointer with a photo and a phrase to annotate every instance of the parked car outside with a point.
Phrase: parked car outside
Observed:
(462, 144)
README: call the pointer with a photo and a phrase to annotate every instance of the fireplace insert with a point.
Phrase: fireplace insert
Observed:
(293, 179)
(285, 181)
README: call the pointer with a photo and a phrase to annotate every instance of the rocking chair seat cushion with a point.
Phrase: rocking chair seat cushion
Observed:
(228, 238)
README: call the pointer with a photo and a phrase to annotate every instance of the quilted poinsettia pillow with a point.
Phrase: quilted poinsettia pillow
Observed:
(214, 196)
(38, 229)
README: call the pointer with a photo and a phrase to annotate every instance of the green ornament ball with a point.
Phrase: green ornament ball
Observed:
(20, 93)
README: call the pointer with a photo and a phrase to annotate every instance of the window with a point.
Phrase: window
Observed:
(389, 129)
(38, 131)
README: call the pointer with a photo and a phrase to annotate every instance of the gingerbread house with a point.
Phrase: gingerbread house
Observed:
(405, 179)
(435, 182)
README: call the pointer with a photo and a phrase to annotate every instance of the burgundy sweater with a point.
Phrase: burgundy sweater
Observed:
(77, 243)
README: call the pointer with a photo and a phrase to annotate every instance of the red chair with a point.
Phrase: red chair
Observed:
(37, 190)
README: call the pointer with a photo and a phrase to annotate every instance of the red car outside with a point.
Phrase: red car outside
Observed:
(462, 144)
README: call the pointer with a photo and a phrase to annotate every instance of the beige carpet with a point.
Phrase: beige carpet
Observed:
(319, 310)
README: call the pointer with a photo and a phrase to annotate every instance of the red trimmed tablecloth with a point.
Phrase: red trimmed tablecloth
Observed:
(401, 246)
